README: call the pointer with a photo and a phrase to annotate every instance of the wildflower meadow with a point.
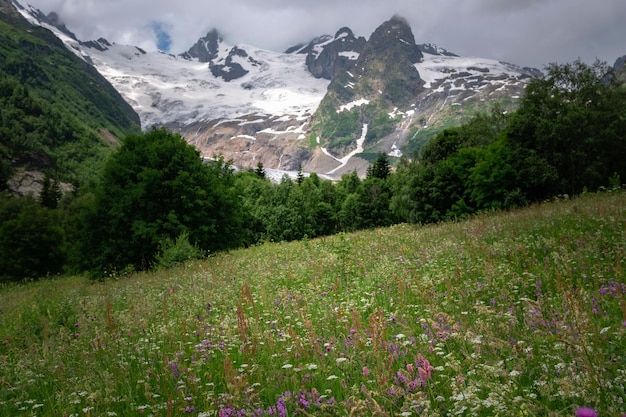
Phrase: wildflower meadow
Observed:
(518, 313)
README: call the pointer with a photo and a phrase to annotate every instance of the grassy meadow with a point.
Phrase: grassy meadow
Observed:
(505, 314)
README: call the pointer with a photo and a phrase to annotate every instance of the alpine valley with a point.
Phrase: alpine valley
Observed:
(328, 106)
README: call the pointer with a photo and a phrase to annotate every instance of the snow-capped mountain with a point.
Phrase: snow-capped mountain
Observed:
(401, 94)
(252, 105)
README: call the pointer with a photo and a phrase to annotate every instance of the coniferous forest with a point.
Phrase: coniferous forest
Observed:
(153, 202)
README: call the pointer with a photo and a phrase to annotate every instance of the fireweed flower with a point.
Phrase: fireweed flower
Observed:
(409, 367)
(281, 407)
(366, 372)
(585, 412)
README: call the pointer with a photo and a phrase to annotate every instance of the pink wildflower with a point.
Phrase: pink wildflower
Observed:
(585, 412)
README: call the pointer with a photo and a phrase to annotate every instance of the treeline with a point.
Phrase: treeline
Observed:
(157, 203)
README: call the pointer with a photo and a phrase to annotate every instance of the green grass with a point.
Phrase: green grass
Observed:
(510, 314)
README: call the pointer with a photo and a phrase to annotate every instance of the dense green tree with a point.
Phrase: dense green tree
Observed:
(31, 240)
(154, 188)
(348, 184)
(380, 168)
(568, 133)
(50, 193)
(349, 215)
(493, 182)
(374, 200)
(460, 171)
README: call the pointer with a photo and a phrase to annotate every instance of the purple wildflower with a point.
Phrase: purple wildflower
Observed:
(585, 412)
(303, 401)
(174, 369)
(282, 408)
(226, 412)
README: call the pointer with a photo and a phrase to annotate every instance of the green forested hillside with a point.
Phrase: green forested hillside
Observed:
(57, 113)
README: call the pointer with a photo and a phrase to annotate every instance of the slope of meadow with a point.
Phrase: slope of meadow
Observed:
(510, 314)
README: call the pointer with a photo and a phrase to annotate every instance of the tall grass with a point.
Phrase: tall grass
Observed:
(510, 314)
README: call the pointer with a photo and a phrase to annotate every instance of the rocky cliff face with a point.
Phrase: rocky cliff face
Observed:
(620, 69)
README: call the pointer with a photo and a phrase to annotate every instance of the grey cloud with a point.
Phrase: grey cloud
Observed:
(526, 32)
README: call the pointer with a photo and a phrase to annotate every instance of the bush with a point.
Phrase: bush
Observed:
(174, 252)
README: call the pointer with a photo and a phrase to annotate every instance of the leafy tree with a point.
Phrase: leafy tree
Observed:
(568, 133)
(155, 188)
(50, 193)
(348, 184)
(374, 200)
(349, 214)
(302, 203)
(31, 240)
(493, 182)
(441, 146)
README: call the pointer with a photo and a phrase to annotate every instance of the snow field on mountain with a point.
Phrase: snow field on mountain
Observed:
(435, 68)
(163, 88)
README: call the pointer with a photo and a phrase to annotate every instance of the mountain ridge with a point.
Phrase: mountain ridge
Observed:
(252, 105)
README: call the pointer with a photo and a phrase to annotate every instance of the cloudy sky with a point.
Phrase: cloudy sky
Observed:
(525, 32)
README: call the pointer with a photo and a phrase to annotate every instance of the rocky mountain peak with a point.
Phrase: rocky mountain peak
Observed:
(328, 55)
(385, 68)
(101, 44)
(345, 34)
(206, 48)
(395, 35)
(620, 69)
(9, 11)
(53, 19)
